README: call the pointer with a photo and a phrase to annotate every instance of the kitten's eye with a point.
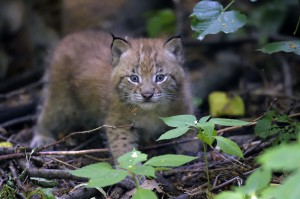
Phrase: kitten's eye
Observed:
(160, 78)
(134, 79)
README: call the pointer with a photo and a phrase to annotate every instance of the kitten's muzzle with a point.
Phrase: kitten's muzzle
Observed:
(147, 95)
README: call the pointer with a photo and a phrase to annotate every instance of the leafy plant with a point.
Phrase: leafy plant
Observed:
(209, 17)
(273, 123)
(7, 192)
(206, 132)
(283, 158)
(130, 165)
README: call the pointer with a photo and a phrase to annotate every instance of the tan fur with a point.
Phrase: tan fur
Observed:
(85, 90)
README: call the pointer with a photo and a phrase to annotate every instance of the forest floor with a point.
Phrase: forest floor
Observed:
(25, 172)
(232, 65)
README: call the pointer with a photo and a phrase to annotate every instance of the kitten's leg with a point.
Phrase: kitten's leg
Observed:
(121, 140)
(43, 134)
(57, 117)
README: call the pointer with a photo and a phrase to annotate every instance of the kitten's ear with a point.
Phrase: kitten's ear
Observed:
(174, 45)
(118, 47)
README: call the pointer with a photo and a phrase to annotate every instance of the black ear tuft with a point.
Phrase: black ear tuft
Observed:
(118, 47)
(174, 45)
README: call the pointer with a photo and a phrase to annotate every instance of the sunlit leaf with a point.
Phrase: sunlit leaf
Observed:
(221, 103)
(131, 159)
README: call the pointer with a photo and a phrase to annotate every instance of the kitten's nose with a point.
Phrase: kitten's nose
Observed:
(147, 94)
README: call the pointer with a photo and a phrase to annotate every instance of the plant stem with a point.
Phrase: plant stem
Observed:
(228, 6)
(206, 166)
(136, 182)
(297, 26)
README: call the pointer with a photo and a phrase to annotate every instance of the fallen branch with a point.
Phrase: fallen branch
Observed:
(10, 153)
(32, 171)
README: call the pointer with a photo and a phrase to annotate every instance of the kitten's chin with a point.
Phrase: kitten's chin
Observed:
(147, 105)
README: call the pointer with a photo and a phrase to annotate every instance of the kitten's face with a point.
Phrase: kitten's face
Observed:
(147, 72)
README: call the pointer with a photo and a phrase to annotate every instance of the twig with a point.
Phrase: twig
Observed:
(15, 176)
(82, 132)
(14, 155)
(226, 183)
(81, 152)
(28, 118)
(63, 163)
(21, 90)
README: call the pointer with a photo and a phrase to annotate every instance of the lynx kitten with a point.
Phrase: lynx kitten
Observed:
(95, 79)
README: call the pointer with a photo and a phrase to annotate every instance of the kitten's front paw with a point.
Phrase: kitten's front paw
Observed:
(41, 140)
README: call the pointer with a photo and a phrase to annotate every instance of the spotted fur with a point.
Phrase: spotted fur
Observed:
(96, 79)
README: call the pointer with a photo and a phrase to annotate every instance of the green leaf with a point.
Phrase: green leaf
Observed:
(208, 134)
(228, 122)
(204, 119)
(48, 193)
(281, 158)
(229, 147)
(285, 46)
(144, 194)
(100, 174)
(257, 181)
(144, 171)
(174, 133)
(269, 192)
(264, 128)
(169, 160)
(209, 18)
(180, 120)
(131, 159)
(230, 195)
(290, 188)
(209, 139)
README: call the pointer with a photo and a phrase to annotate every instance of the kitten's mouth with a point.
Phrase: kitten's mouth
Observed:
(147, 105)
